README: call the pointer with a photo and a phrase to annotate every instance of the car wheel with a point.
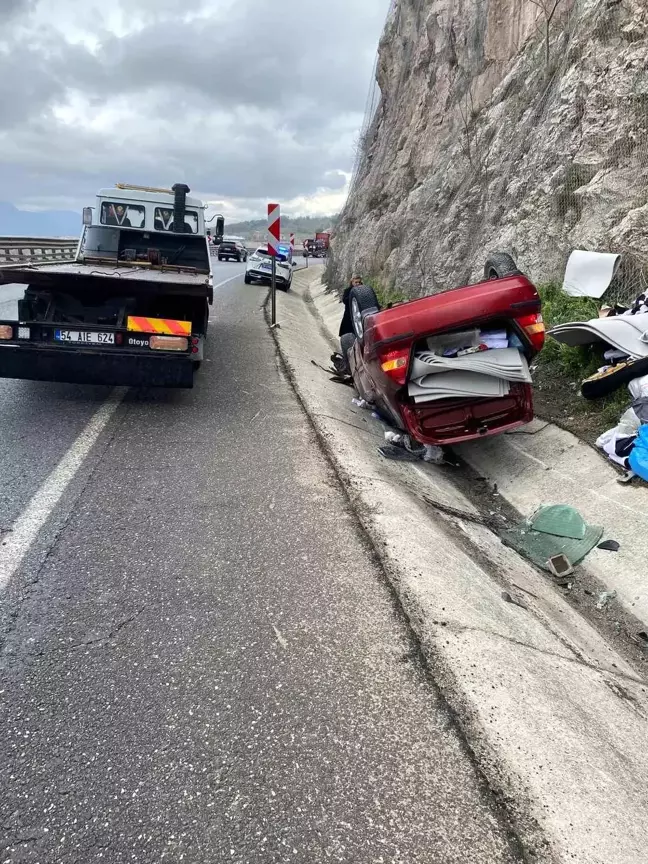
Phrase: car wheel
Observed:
(499, 265)
(247, 279)
(362, 302)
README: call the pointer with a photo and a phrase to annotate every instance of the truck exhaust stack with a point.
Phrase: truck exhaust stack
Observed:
(180, 190)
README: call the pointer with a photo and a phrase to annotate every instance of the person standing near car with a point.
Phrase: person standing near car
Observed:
(341, 360)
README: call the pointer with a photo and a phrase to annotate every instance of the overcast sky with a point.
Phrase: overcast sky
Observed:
(245, 100)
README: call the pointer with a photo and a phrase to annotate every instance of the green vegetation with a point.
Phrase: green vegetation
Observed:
(571, 365)
(387, 294)
(560, 308)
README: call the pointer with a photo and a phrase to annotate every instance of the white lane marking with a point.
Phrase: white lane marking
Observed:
(231, 279)
(17, 543)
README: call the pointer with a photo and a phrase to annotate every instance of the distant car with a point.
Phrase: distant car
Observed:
(232, 249)
(259, 268)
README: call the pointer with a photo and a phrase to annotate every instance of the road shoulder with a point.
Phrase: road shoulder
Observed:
(554, 715)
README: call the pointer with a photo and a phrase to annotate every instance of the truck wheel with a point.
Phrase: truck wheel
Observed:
(499, 265)
(363, 302)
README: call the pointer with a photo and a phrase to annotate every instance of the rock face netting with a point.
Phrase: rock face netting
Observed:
(517, 125)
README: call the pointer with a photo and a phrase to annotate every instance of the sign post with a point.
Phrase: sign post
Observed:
(274, 235)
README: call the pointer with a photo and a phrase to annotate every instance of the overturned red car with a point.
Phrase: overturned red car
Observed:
(474, 342)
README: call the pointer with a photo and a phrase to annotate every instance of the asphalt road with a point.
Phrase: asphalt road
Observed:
(200, 659)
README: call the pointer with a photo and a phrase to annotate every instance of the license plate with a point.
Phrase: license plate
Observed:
(84, 337)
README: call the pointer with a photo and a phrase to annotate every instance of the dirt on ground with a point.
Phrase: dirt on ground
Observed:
(558, 400)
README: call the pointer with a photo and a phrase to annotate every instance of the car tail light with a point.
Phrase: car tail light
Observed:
(169, 343)
(394, 364)
(6, 331)
(533, 326)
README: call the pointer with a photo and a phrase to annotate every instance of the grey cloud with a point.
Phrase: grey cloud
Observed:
(290, 105)
(10, 8)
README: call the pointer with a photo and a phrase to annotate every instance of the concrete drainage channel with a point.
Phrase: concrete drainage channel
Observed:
(554, 711)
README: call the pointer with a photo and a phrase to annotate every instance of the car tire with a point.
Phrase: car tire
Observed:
(499, 265)
(247, 279)
(362, 302)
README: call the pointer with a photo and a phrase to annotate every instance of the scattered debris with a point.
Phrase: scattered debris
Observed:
(541, 546)
(561, 521)
(510, 599)
(461, 514)
(434, 454)
(605, 598)
(560, 566)
(609, 546)
(360, 403)
(642, 639)
(588, 274)
(397, 454)
(525, 590)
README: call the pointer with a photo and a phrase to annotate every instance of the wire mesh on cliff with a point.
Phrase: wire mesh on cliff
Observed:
(528, 135)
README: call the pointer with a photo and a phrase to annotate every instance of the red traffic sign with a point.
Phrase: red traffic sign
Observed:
(274, 228)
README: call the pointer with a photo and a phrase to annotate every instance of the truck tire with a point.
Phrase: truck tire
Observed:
(499, 265)
(362, 302)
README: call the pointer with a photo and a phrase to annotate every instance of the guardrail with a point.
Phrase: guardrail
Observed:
(36, 250)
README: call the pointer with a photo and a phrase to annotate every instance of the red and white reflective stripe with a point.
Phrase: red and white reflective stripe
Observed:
(274, 228)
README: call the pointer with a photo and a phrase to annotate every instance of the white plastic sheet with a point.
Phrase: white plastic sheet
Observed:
(588, 274)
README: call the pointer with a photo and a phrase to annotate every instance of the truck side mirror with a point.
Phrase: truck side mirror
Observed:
(220, 226)
(87, 216)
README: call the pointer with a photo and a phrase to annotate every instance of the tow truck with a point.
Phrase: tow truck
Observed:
(131, 307)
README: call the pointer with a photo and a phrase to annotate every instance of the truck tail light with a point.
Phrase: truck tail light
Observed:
(169, 343)
(394, 364)
(6, 331)
(533, 326)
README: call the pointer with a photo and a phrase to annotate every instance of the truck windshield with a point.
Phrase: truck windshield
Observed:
(122, 214)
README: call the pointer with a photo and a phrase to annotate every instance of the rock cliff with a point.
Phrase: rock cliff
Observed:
(517, 125)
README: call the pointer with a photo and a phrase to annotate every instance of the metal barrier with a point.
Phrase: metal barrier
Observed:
(36, 250)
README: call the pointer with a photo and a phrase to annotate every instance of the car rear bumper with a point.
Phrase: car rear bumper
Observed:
(96, 367)
(455, 421)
